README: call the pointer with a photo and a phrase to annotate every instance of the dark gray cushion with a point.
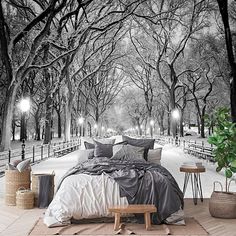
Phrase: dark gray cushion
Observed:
(89, 145)
(146, 143)
(103, 150)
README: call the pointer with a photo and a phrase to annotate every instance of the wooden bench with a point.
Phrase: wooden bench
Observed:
(145, 209)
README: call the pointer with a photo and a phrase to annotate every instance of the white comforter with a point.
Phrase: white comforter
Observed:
(83, 196)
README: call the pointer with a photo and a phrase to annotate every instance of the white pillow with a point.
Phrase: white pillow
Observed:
(23, 165)
(154, 155)
(84, 155)
(9, 166)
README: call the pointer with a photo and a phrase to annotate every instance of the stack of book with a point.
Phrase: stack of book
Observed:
(192, 164)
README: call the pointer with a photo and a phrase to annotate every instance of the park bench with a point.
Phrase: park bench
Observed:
(60, 151)
(160, 141)
(200, 151)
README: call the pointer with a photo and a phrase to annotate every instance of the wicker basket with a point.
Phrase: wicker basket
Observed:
(35, 186)
(222, 204)
(25, 199)
(15, 180)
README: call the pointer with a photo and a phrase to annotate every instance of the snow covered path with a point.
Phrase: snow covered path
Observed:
(173, 157)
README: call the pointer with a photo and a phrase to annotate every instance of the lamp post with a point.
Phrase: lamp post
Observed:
(24, 107)
(81, 121)
(103, 130)
(175, 114)
(151, 127)
(95, 129)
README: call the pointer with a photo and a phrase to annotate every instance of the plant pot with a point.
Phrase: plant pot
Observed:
(223, 205)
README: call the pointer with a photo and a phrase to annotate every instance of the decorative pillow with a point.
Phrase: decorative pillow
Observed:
(103, 150)
(146, 143)
(9, 166)
(118, 146)
(84, 155)
(154, 155)
(23, 165)
(16, 162)
(129, 152)
(105, 140)
(85, 139)
(89, 145)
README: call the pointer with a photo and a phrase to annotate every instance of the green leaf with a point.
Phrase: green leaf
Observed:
(228, 173)
(233, 163)
(218, 169)
(233, 169)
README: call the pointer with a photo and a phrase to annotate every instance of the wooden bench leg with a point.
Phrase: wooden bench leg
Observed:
(117, 221)
(147, 220)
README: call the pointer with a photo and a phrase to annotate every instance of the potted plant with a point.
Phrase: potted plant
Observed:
(223, 203)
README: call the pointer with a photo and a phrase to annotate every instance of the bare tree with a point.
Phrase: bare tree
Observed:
(223, 6)
(187, 17)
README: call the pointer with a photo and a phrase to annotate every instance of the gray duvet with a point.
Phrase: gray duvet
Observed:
(141, 182)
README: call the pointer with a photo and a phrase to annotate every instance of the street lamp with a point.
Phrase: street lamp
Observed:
(175, 114)
(81, 121)
(24, 106)
(151, 127)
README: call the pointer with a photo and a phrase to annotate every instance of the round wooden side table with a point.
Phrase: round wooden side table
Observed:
(193, 172)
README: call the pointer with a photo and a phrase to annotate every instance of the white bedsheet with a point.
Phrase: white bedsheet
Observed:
(83, 196)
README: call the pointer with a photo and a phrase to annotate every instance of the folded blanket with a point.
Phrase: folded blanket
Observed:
(45, 190)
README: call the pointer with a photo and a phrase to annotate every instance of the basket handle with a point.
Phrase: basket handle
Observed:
(21, 188)
(230, 183)
(214, 185)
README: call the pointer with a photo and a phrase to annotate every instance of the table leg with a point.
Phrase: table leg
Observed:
(186, 179)
(193, 183)
(117, 221)
(200, 188)
(147, 220)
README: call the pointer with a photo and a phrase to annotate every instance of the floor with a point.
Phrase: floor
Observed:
(17, 222)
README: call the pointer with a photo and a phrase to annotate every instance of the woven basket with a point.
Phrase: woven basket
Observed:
(13, 181)
(25, 199)
(35, 186)
(222, 204)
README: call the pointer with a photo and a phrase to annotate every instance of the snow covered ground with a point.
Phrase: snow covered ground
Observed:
(172, 158)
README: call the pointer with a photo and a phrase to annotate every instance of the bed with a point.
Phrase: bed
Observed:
(95, 184)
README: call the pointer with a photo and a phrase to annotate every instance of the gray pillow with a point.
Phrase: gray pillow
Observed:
(129, 152)
(105, 140)
(103, 150)
(89, 145)
(118, 146)
(146, 143)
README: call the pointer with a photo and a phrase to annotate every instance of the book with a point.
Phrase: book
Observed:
(193, 164)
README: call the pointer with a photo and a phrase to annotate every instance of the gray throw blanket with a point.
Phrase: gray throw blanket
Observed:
(45, 190)
(140, 182)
